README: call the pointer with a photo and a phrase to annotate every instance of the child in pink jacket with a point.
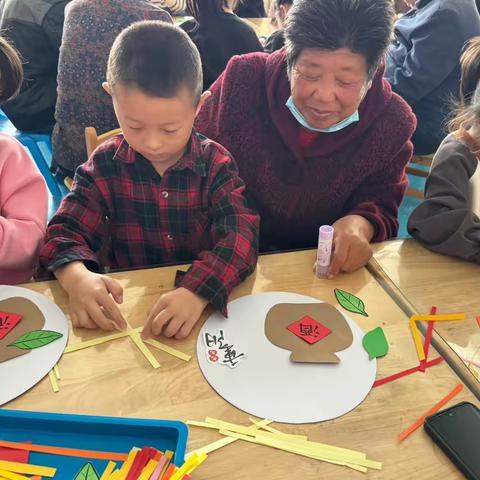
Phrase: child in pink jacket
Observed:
(23, 194)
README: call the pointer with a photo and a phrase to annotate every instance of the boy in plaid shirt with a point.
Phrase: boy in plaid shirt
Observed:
(159, 193)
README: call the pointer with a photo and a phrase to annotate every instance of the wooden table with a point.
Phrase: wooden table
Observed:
(426, 278)
(114, 379)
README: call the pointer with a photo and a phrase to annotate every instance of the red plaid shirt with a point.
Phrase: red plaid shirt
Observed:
(195, 211)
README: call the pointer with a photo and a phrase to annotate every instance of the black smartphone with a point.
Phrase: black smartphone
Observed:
(456, 431)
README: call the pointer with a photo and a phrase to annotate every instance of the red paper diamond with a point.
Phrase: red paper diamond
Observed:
(309, 329)
(8, 321)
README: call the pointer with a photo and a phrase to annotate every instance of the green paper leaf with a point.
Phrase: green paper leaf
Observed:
(35, 339)
(87, 473)
(375, 343)
(350, 302)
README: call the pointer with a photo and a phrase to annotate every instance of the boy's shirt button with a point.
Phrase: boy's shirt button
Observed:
(165, 194)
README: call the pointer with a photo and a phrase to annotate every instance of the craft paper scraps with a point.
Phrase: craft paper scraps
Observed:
(278, 324)
(8, 321)
(14, 455)
(309, 329)
(87, 472)
(27, 469)
(140, 464)
(375, 343)
(219, 351)
(350, 302)
(425, 318)
(432, 411)
(292, 443)
(404, 373)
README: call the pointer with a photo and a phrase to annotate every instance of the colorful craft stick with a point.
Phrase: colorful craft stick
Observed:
(56, 371)
(148, 470)
(433, 410)
(125, 468)
(161, 467)
(135, 336)
(96, 341)
(189, 466)
(428, 339)
(478, 320)
(53, 381)
(404, 373)
(108, 471)
(67, 452)
(12, 476)
(170, 350)
(27, 469)
(416, 334)
(169, 472)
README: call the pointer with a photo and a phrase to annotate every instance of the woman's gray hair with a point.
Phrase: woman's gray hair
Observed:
(363, 26)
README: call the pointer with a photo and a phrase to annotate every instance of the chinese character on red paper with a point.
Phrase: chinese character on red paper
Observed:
(309, 329)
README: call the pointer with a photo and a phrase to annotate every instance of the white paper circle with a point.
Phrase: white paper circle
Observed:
(267, 384)
(19, 374)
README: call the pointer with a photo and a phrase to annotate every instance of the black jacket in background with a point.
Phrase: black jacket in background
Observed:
(218, 38)
(251, 9)
(275, 41)
(35, 29)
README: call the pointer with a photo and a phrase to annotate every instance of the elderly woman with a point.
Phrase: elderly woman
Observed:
(317, 133)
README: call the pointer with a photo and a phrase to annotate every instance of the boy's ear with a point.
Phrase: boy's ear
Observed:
(107, 88)
(202, 100)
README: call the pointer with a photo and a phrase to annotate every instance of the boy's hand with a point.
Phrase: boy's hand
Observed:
(90, 295)
(351, 244)
(174, 314)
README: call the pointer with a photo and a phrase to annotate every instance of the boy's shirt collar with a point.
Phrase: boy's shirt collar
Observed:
(191, 159)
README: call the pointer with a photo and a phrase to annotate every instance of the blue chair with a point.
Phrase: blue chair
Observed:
(39, 145)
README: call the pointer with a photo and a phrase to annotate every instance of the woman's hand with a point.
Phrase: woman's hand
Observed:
(351, 244)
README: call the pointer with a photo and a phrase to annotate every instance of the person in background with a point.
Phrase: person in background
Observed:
(403, 6)
(448, 219)
(174, 7)
(423, 63)
(23, 194)
(34, 27)
(307, 127)
(219, 35)
(276, 41)
(250, 9)
(91, 27)
(160, 191)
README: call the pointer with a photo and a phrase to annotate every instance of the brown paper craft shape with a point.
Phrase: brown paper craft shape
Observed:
(280, 316)
(32, 319)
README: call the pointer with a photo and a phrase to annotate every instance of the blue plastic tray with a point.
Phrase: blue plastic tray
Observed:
(110, 434)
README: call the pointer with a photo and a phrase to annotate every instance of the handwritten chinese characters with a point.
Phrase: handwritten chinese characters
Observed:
(219, 351)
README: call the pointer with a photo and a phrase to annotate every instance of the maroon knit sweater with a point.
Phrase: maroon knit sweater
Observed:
(358, 170)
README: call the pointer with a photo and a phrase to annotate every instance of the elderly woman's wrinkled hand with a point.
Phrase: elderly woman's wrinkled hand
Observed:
(351, 244)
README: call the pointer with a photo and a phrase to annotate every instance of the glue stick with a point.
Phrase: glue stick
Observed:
(324, 251)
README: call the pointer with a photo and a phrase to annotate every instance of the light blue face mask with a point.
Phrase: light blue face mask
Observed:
(354, 117)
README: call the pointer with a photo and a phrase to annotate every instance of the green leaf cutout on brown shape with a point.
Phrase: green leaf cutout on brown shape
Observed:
(35, 339)
(350, 302)
(87, 472)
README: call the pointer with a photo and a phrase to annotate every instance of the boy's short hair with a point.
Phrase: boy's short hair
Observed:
(157, 58)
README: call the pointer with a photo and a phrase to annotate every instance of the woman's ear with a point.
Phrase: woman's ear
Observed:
(107, 88)
(202, 100)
